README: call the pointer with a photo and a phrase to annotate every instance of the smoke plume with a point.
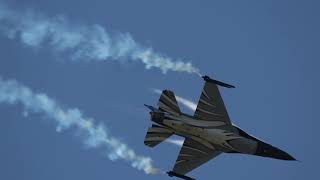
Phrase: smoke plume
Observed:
(93, 135)
(178, 142)
(82, 42)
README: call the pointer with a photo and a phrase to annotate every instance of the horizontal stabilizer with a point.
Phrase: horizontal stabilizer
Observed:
(156, 135)
(168, 102)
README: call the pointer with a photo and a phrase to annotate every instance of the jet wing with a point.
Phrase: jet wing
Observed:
(192, 155)
(210, 106)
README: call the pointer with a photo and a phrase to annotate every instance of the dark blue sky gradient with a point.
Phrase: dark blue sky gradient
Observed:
(269, 50)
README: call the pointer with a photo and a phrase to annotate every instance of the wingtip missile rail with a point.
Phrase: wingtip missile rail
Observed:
(171, 174)
(208, 79)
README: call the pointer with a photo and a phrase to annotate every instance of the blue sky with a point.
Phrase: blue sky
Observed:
(268, 50)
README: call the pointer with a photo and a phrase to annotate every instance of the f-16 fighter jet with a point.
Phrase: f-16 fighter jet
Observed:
(208, 133)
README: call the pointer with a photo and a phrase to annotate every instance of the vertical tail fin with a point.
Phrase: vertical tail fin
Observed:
(168, 102)
(156, 135)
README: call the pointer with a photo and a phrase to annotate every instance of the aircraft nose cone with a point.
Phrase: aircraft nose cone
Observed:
(267, 150)
(279, 154)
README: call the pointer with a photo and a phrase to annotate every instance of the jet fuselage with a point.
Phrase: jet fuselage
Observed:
(217, 135)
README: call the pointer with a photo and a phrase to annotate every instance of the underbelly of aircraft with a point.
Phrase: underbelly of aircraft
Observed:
(220, 139)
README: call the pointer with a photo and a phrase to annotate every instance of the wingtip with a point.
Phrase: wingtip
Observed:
(208, 79)
(172, 174)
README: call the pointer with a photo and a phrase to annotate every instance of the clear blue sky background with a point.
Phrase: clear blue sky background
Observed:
(268, 49)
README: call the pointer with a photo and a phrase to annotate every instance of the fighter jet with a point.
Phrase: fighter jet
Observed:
(208, 133)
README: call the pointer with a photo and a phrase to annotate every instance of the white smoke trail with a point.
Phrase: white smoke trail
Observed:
(189, 104)
(82, 42)
(178, 142)
(93, 135)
